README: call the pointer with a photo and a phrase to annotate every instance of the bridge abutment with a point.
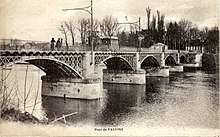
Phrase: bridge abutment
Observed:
(124, 77)
(72, 88)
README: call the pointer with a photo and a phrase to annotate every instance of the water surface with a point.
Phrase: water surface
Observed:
(189, 99)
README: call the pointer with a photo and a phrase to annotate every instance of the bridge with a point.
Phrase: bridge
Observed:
(85, 71)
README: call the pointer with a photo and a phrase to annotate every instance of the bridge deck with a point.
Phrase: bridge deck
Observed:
(2, 52)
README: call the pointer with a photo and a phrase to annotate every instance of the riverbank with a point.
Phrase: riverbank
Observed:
(16, 115)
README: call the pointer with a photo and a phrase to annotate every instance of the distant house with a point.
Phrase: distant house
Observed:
(16, 44)
(36, 46)
(159, 47)
(29, 45)
(107, 43)
(43, 46)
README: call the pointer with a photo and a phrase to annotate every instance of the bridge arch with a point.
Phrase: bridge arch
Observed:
(170, 61)
(54, 68)
(183, 59)
(149, 62)
(117, 63)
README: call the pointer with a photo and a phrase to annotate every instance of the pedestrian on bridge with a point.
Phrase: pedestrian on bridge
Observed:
(58, 44)
(52, 44)
(61, 43)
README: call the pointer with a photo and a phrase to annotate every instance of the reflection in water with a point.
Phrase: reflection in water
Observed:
(182, 100)
(120, 101)
(153, 91)
(86, 110)
(112, 110)
(188, 100)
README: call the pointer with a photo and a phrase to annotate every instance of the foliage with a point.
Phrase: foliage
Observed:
(109, 26)
(12, 99)
(64, 30)
(129, 40)
(177, 35)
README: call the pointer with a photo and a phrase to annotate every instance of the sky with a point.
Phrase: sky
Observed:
(39, 19)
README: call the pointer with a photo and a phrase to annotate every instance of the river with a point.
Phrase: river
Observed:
(189, 99)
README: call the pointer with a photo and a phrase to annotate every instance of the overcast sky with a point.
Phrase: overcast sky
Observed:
(39, 19)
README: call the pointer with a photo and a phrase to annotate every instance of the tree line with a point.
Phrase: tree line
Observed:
(107, 27)
(177, 35)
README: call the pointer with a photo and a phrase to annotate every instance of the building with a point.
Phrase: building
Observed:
(107, 43)
(159, 47)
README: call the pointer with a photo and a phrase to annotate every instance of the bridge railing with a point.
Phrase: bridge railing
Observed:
(42, 47)
(78, 47)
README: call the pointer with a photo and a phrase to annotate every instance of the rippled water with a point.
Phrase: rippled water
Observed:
(184, 100)
(189, 99)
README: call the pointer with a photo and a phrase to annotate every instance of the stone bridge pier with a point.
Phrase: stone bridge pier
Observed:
(119, 67)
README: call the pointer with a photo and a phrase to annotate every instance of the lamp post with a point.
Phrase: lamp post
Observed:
(91, 25)
(64, 31)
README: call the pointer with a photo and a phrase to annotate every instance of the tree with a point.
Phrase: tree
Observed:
(122, 39)
(64, 30)
(213, 40)
(3, 44)
(109, 26)
(15, 43)
(148, 10)
(133, 39)
(194, 36)
(172, 35)
(153, 30)
(6, 89)
(160, 27)
(84, 26)
(184, 29)
(71, 28)
(95, 32)
(147, 41)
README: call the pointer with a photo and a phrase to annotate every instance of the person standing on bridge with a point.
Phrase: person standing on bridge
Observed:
(52, 44)
(58, 44)
(61, 43)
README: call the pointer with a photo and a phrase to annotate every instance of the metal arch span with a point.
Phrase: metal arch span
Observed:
(173, 55)
(170, 61)
(149, 62)
(183, 59)
(117, 63)
(54, 68)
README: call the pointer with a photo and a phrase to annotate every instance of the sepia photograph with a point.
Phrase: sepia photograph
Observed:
(109, 68)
